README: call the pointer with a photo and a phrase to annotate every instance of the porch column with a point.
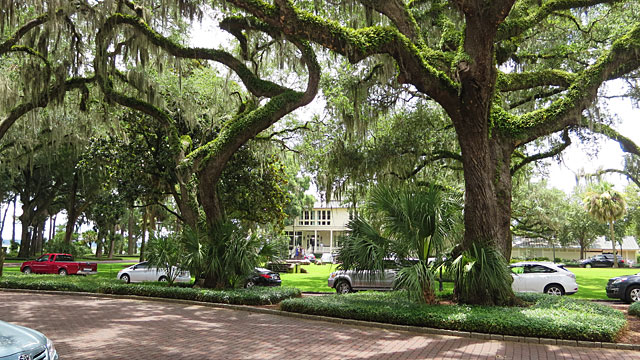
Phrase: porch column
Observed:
(315, 240)
(331, 241)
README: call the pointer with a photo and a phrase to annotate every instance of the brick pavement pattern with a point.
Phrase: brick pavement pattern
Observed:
(107, 328)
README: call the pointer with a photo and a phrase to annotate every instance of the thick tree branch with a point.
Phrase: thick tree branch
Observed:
(623, 57)
(552, 152)
(629, 176)
(11, 41)
(42, 101)
(514, 27)
(255, 85)
(537, 96)
(627, 145)
(398, 12)
(416, 65)
(528, 80)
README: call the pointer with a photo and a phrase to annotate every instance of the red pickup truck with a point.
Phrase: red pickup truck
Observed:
(62, 264)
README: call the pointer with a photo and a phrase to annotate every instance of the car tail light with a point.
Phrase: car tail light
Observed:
(266, 276)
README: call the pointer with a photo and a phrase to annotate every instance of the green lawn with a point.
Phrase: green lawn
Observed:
(315, 280)
(592, 282)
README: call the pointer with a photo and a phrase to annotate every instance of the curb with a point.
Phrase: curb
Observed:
(351, 322)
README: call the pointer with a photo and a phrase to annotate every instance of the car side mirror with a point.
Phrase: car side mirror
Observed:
(135, 267)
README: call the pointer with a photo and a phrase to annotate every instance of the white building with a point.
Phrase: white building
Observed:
(318, 230)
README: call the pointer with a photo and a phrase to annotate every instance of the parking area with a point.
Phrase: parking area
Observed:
(107, 328)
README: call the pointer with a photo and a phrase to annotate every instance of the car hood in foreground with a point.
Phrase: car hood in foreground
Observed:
(15, 339)
(626, 277)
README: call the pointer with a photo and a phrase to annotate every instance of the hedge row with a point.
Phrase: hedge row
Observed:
(634, 309)
(254, 296)
(546, 316)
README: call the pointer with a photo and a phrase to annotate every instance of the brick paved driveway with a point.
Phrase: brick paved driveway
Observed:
(107, 328)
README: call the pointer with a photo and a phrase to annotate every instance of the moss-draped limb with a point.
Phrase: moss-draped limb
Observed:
(211, 157)
(398, 12)
(255, 85)
(24, 29)
(627, 145)
(513, 27)
(622, 58)
(416, 65)
(547, 154)
(528, 80)
(42, 101)
(629, 176)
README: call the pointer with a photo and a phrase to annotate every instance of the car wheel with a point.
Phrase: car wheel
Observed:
(62, 272)
(125, 278)
(163, 279)
(27, 270)
(554, 289)
(588, 266)
(249, 284)
(343, 287)
(633, 294)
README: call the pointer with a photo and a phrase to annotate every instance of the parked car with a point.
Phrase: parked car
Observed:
(310, 258)
(625, 288)
(327, 258)
(62, 264)
(263, 277)
(145, 272)
(601, 260)
(21, 343)
(346, 281)
(543, 277)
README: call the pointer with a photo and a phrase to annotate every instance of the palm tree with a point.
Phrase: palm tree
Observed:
(403, 223)
(606, 205)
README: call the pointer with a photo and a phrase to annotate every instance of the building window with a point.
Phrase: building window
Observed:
(315, 217)
(295, 238)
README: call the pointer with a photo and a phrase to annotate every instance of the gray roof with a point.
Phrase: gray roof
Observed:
(628, 243)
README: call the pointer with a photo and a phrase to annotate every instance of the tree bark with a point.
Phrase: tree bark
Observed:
(4, 218)
(144, 233)
(13, 229)
(72, 212)
(25, 242)
(132, 244)
(613, 245)
(112, 236)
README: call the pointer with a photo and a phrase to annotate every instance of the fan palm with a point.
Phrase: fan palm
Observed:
(606, 205)
(404, 223)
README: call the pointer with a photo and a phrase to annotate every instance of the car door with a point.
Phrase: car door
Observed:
(517, 272)
(140, 272)
(537, 277)
(41, 264)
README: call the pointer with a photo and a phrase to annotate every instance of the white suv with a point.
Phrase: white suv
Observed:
(543, 277)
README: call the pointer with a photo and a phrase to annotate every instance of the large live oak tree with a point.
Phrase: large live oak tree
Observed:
(480, 60)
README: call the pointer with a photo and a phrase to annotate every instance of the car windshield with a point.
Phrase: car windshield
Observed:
(43, 258)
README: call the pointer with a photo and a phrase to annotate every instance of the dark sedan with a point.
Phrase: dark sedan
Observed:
(602, 260)
(263, 277)
(625, 288)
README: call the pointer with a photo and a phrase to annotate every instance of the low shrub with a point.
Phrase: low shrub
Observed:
(634, 309)
(545, 316)
(254, 296)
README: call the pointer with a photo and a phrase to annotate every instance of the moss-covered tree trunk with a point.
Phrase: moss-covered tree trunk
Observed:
(132, 245)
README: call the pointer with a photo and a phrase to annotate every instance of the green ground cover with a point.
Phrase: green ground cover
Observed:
(547, 316)
(92, 284)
